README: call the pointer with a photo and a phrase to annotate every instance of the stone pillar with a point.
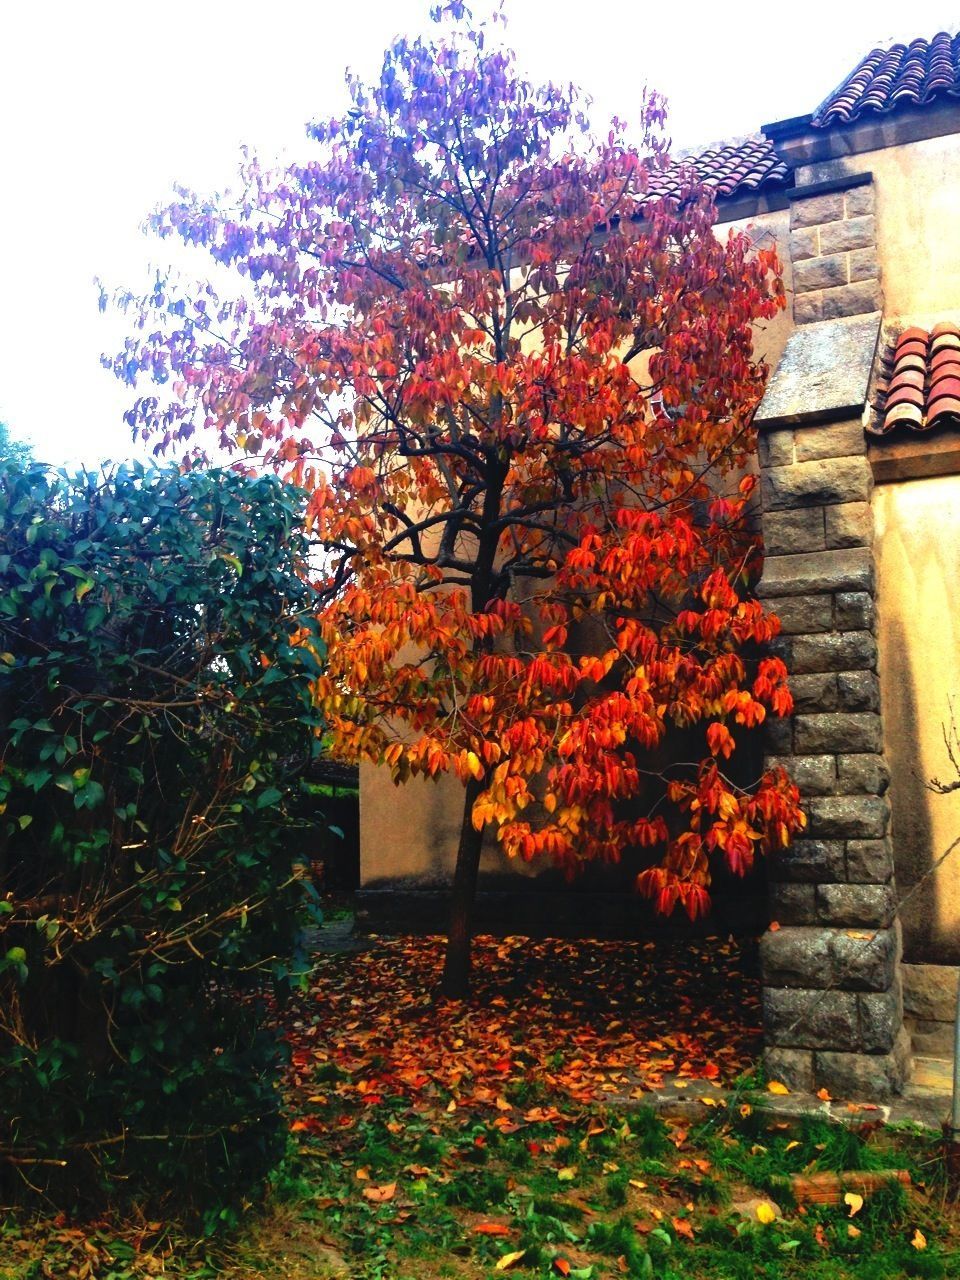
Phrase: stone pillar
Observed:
(832, 999)
(833, 247)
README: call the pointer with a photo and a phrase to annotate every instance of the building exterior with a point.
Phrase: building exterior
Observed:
(860, 469)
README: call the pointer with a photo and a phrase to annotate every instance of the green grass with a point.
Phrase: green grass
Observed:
(392, 1193)
(397, 1193)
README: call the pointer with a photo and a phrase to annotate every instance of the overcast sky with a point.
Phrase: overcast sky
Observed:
(103, 105)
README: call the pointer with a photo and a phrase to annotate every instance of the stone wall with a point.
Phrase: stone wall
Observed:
(930, 1007)
(833, 1007)
(833, 247)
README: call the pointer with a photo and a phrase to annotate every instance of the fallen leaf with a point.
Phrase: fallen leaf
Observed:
(823, 1095)
(852, 1231)
(774, 926)
(561, 1265)
(791, 1145)
(567, 1174)
(491, 1229)
(683, 1227)
(509, 1260)
(776, 1087)
(766, 1213)
(746, 1109)
(379, 1195)
(854, 1201)
(919, 1240)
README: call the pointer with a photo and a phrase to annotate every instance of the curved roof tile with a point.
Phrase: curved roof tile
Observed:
(925, 398)
(730, 168)
(905, 75)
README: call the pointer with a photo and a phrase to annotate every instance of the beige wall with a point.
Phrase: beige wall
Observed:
(408, 835)
(918, 559)
(916, 195)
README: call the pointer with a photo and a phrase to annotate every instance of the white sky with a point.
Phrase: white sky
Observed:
(104, 104)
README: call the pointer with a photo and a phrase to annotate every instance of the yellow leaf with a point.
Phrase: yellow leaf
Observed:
(567, 1174)
(451, 1107)
(854, 1201)
(852, 1231)
(766, 1212)
(919, 1240)
(510, 1259)
(791, 1145)
(635, 1182)
(776, 1087)
(746, 1109)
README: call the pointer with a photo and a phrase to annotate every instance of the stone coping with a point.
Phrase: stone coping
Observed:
(823, 374)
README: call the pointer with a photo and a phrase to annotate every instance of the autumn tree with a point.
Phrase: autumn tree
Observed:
(520, 391)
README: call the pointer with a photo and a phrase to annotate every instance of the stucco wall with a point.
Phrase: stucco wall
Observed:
(408, 835)
(918, 560)
(916, 187)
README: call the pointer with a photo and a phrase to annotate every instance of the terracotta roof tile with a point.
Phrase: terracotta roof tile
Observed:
(905, 75)
(919, 385)
(730, 168)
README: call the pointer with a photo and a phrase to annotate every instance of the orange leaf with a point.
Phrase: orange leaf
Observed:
(379, 1195)
(561, 1265)
(491, 1229)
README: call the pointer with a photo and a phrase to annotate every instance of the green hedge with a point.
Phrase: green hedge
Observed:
(156, 656)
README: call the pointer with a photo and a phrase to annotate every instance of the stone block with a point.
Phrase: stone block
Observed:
(869, 861)
(820, 273)
(775, 447)
(800, 615)
(865, 1077)
(804, 243)
(864, 265)
(855, 611)
(881, 1019)
(836, 731)
(859, 201)
(814, 693)
(814, 210)
(862, 298)
(778, 735)
(849, 525)
(858, 690)
(866, 774)
(848, 817)
(802, 1019)
(793, 903)
(851, 233)
(818, 572)
(809, 862)
(931, 1039)
(807, 307)
(796, 956)
(787, 532)
(792, 1067)
(834, 651)
(822, 482)
(831, 440)
(930, 991)
(856, 905)
(864, 963)
(814, 775)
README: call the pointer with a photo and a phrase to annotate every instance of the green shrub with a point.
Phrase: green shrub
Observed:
(156, 657)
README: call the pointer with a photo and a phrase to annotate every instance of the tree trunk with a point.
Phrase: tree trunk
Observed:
(455, 983)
